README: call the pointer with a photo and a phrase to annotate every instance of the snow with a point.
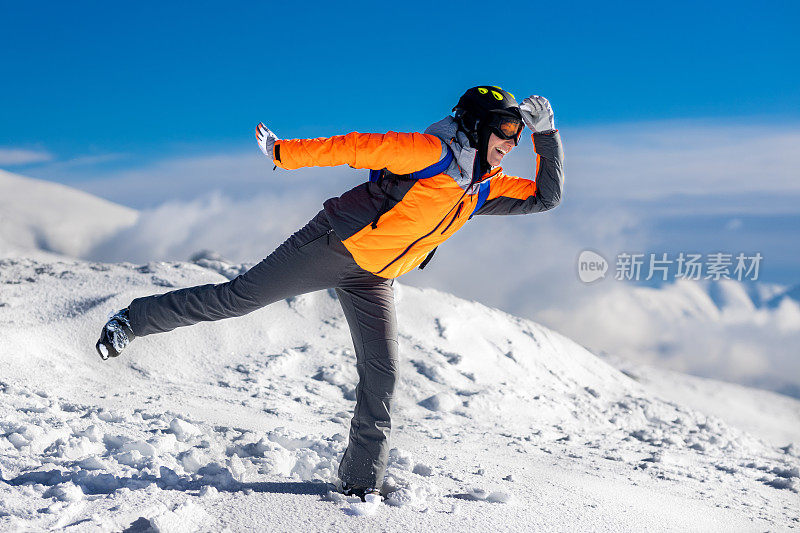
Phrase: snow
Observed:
(41, 215)
(709, 329)
(239, 424)
(760, 412)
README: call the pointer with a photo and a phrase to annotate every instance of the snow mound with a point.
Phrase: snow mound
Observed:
(204, 419)
(41, 215)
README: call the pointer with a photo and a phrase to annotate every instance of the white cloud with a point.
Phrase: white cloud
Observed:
(681, 327)
(665, 167)
(245, 230)
(14, 156)
(734, 224)
(236, 176)
(661, 160)
(619, 178)
(83, 161)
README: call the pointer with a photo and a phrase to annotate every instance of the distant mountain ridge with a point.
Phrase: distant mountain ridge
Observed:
(741, 332)
(38, 215)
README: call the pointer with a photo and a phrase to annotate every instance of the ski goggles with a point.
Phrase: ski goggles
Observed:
(506, 127)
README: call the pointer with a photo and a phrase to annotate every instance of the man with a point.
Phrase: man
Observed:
(423, 188)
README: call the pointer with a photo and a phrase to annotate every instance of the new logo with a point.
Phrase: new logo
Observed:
(591, 266)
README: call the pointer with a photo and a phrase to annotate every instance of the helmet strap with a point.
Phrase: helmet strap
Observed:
(469, 125)
(483, 148)
(478, 136)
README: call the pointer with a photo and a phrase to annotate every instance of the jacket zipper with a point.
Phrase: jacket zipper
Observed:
(431, 232)
(458, 211)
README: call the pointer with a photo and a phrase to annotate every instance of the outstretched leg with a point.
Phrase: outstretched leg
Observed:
(368, 304)
(311, 259)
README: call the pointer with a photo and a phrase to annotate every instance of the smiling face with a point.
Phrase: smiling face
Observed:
(497, 149)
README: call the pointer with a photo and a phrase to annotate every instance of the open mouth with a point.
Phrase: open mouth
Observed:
(503, 152)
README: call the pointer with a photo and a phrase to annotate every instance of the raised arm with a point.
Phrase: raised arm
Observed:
(510, 195)
(399, 153)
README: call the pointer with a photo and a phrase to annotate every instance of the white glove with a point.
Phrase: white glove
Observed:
(537, 114)
(266, 140)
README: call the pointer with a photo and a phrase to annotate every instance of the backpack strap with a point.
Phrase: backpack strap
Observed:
(483, 194)
(434, 169)
(428, 258)
(377, 176)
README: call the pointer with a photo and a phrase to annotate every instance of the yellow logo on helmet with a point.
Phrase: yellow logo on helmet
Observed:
(497, 96)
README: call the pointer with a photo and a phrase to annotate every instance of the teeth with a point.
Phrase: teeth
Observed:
(501, 151)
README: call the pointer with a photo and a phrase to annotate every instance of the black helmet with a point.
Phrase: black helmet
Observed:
(486, 109)
(488, 99)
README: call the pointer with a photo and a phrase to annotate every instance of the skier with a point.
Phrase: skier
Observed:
(423, 188)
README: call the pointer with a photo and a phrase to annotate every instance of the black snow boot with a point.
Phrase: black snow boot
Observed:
(116, 335)
(361, 492)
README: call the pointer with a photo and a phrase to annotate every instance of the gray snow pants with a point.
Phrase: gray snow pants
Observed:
(311, 259)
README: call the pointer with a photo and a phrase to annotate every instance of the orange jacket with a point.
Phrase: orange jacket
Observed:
(412, 217)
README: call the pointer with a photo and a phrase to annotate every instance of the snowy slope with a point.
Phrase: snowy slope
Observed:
(501, 423)
(41, 215)
(771, 416)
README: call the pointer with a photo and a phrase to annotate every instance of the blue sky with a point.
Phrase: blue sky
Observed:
(678, 118)
(680, 122)
(152, 78)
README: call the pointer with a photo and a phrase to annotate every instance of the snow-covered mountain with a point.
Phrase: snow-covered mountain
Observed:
(729, 330)
(37, 215)
(740, 332)
(500, 423)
